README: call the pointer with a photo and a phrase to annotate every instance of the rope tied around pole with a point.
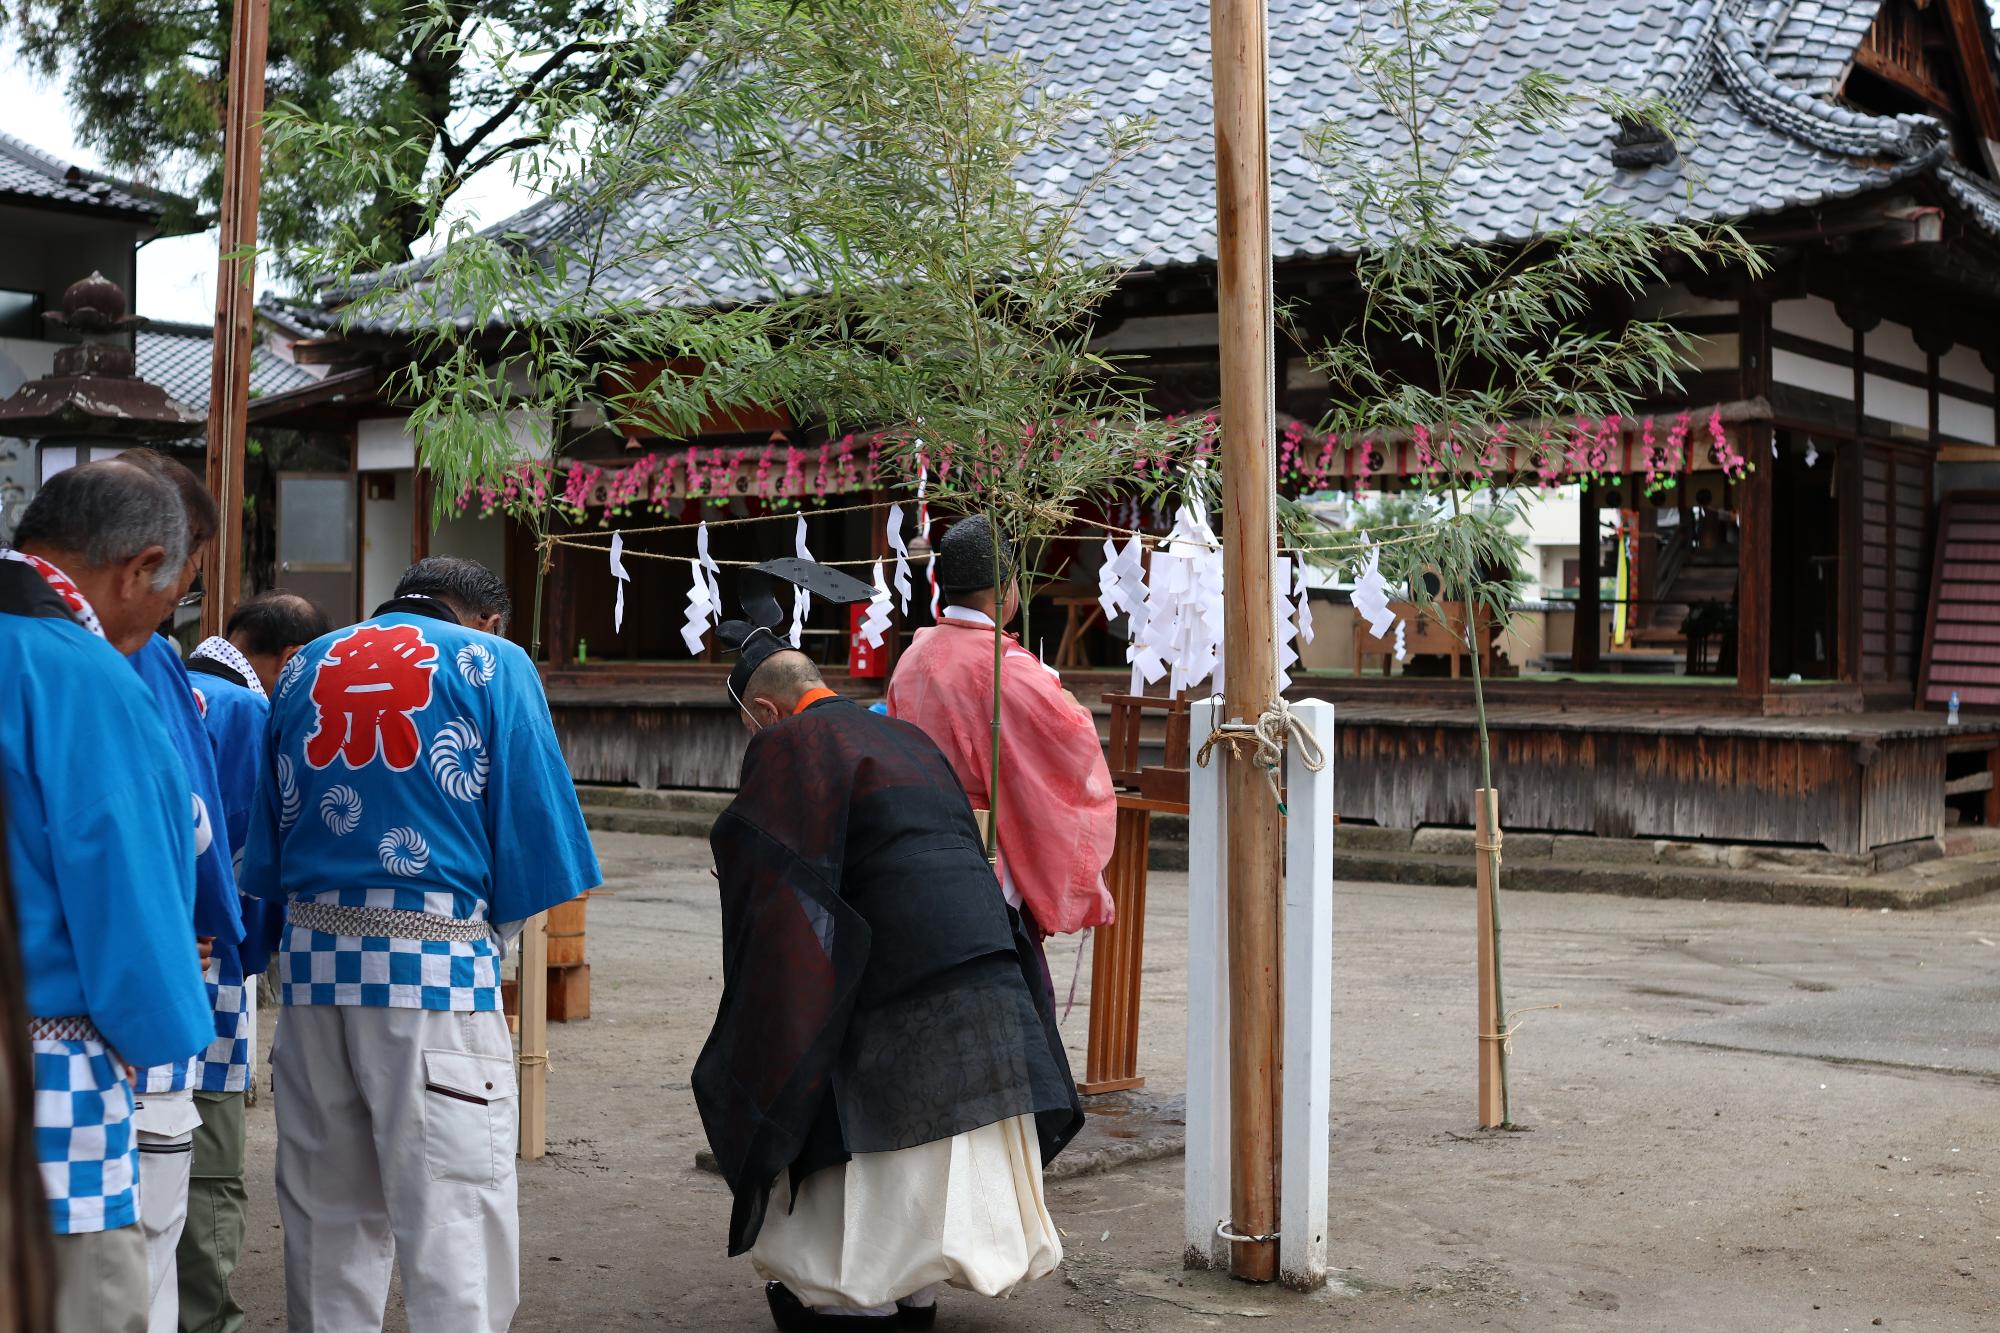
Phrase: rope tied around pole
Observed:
(1506, 1035)
(1265, 739)
(1490, 848)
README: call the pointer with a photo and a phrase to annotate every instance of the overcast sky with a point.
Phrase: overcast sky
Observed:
(176, 275)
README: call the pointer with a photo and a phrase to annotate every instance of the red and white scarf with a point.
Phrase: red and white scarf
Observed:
(63, 586)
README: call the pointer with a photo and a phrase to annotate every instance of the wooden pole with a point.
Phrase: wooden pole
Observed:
(534, 992)
(1753, 572)
(235, 301)
(1492, 1042)
(1249, 434)
(1583, 647)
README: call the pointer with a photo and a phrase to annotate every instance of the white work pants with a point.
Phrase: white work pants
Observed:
(396, 1141)
(164, 1124)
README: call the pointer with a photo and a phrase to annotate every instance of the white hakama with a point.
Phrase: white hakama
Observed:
(967, 1210)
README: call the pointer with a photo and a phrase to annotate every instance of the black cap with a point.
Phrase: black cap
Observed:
(756, 637)
(964, 556)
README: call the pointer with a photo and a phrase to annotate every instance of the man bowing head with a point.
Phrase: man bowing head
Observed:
(415, 814)
(883, 1083)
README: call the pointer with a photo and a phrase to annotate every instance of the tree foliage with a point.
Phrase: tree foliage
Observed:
(452, 84)
(1459, 339)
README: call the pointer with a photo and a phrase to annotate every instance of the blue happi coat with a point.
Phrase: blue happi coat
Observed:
(235, 717)
(100, 849)
(413, 767)
(216, 912)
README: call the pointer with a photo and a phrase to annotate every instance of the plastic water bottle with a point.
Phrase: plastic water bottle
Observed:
(1951, 711)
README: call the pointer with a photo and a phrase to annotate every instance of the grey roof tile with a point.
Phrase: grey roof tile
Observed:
(27, 173)
(178, 358)
(1751, 78)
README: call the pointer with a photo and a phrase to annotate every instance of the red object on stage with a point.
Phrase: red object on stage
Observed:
(862, 660)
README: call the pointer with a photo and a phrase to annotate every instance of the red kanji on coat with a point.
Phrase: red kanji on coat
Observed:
(366, 688)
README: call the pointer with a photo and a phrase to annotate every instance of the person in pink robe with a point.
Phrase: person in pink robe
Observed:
(1057, 811)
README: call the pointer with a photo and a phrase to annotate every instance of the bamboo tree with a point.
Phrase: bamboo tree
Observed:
(1460, 343)
(836, 192)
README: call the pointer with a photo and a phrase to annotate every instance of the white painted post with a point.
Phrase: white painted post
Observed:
(1305, 1125)
(1207, 1161)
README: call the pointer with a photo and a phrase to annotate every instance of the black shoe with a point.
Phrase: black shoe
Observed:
(794, 1316)
(916, 1316)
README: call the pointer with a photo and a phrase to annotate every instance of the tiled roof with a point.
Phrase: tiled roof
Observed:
(179, 357)
(27, 174)
(1814, 40)
(1753, 78)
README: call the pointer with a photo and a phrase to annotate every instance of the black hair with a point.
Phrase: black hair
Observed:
(273, 621)
(466, 584)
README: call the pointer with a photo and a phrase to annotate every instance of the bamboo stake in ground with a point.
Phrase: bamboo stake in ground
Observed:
(235, 302)
(1492, 1021)
(1249, 535)
(534, 1062)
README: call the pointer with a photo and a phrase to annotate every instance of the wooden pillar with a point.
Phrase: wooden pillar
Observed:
(1583, 653)
(1847, 477)
(1753, 568)
(420, 513)
(561, 632)
(235, 301)
(1249, 437)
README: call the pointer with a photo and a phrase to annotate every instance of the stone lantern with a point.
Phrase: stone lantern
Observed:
(93, 404)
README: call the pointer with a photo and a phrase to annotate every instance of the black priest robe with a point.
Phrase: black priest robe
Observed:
(877, 991)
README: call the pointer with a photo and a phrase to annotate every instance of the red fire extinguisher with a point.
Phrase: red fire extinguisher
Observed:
(867, 662)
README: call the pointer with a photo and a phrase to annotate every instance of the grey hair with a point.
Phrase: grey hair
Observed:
(104, 514)
(466, 584)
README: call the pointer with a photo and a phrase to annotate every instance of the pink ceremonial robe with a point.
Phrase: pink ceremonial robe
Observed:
(1058, 813)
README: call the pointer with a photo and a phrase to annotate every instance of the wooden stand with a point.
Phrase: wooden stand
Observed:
(534, 1058)
(1435, 629)
(1118, 955)
(1492, 1101)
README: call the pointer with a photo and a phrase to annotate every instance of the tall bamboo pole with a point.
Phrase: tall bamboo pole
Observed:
(1249, 431)
(235, 301)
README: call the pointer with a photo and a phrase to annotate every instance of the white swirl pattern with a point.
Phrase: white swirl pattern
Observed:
(204, 832)
(477, 664)
(341, 809)
(459, 761)
(404, 852)
(289, 801)
(290, 675)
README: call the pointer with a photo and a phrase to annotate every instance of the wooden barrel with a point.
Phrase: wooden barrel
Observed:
(566, 934)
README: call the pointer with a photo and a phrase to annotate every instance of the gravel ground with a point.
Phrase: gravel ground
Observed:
(1704, 1148)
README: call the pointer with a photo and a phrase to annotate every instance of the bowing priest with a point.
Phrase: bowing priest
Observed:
(884, 1081)
(1058, 814)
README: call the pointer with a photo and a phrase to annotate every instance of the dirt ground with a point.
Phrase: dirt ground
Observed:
(1741, 1117)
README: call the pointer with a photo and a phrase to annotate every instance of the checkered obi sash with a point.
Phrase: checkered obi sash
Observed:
(63, 1029)
(384, 923)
